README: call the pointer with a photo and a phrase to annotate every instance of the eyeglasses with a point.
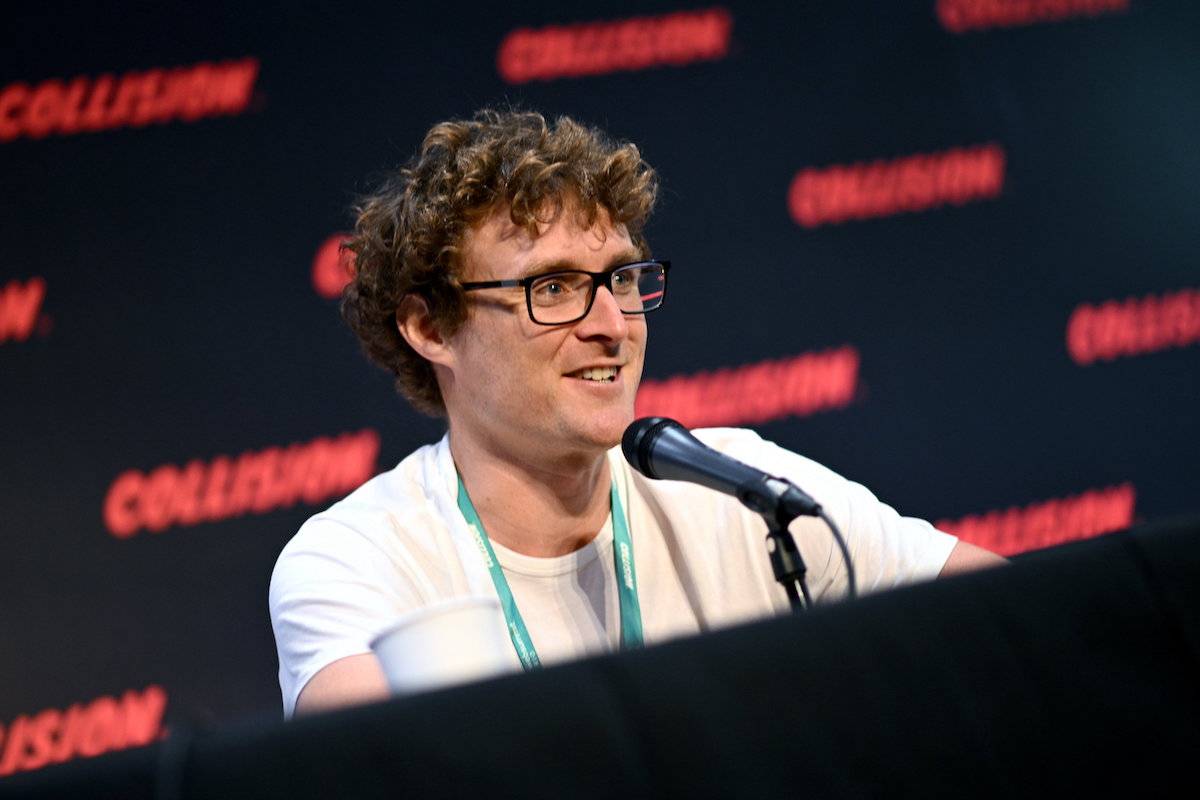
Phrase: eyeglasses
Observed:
(558, 298)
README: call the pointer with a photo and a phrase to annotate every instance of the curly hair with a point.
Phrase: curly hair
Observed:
(408, 233)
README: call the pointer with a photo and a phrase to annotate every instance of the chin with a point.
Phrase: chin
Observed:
(607, 431)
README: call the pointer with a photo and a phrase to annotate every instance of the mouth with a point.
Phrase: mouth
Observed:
(596, 374)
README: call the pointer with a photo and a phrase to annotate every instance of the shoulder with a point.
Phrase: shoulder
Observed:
(887, 548)
(380, 527)
(732, 440)
(749, 447)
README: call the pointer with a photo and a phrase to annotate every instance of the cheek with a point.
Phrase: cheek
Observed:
(527, 369)
(517, 366)
(638, 334)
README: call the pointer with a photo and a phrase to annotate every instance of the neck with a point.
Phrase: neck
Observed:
(531, 504)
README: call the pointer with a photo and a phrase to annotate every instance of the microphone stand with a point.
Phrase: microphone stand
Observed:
(786, 561)
(778, 502)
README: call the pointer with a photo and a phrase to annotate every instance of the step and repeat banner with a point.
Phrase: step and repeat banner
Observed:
(946, 247)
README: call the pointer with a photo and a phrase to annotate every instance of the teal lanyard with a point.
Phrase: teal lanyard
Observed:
(631, 612)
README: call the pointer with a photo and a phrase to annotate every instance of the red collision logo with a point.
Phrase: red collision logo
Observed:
(622, 45)
(102, 725)
(86, 104)
(843, 192)
(333, 266)
(1133, 326)
(20, 302)
(959, 16)
(754, 393)
(255, 482)
(1047, 522)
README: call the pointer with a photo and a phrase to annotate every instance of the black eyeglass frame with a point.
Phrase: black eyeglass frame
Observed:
(598, 279)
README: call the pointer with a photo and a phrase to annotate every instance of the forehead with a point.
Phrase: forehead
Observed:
(496, 249)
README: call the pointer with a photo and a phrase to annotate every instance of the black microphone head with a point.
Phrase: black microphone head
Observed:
(638, 438)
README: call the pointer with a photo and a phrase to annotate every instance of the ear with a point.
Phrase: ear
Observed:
(418, 329)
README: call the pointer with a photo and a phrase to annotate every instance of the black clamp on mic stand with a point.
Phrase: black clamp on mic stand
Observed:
(779, 502)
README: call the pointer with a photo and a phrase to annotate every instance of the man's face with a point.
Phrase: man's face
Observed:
(518, 385)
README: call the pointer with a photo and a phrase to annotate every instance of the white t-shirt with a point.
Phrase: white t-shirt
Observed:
(399, 542)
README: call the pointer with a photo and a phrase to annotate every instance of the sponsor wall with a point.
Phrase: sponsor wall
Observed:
(947, 248)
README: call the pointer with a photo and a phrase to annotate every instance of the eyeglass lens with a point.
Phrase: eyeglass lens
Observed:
(564, 296)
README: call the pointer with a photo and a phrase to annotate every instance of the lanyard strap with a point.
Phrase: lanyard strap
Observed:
(631, 612)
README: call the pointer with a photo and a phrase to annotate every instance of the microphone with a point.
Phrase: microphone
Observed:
(661, 448)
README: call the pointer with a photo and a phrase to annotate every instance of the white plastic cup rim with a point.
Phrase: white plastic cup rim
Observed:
(448, 642)
(440, 608)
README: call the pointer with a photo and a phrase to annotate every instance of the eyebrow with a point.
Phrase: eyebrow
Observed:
(630, 256)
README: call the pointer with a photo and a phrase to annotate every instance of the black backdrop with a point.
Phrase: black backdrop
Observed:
(180, 321)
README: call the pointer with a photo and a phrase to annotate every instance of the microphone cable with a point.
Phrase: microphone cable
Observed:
(851, 577)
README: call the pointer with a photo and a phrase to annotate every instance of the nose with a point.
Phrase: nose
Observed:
(605, 320)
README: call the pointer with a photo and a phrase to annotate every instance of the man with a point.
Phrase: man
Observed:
(504, 278)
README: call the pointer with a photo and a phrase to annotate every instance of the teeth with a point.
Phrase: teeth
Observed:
(599, 374)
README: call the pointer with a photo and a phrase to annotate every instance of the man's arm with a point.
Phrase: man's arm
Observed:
(348, 681)
(966, 557)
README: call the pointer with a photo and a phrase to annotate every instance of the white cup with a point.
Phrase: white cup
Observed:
(446, 643)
